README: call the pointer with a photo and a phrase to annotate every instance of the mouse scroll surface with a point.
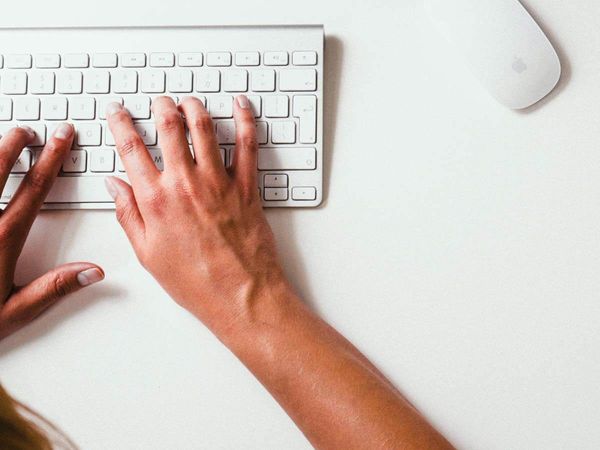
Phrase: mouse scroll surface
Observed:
(503, 45)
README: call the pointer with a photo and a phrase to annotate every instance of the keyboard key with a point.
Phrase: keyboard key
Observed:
(18, 61)
(221, 107)
(138, 106)
(27, 108)
(69, 82)
(124, 81)
(54, 108)
(304, 58)
(41, 82)
(162, 60)
(276, 59)
(180, 80)
(305, 193)
(277, 106)
(247, 59)
(263, 80)
(256, 103)
(5, 108)
(76, 60)
(14, 83)
(282, 158)
(279, 180)
(226, 132)
(276, 194)
(147, 131)
(97, 82)
(103, 102)
(47, 61)
(190, 59)
(283, 132)
(82, 108)
(88, 134)
(104, 60)
(133, 59)
(108, 137)
(23, 163)
(262, 132)
(208, 80)
(40, 134)
(5, 128)
(102, 160)
(153, 82)
(298, 80)
(218, 59)
(76, 162)
(67, 189)
(235, 80)
(156, 155)
(305, 109)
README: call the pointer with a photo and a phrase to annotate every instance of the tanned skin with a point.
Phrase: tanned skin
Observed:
(200, 230)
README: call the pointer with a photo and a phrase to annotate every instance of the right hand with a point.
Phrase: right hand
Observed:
(198, 228)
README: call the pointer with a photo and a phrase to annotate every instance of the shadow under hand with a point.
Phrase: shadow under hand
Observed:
(283, 221)
(41, 254)
(66, 309)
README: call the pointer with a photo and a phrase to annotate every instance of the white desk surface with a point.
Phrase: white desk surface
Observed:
(459, 249)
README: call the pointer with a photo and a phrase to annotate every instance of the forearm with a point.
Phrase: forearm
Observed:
(332, 392)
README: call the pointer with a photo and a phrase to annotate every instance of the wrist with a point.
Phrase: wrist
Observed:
(253, 306)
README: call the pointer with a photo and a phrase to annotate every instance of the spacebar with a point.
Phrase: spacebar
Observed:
(66, 190)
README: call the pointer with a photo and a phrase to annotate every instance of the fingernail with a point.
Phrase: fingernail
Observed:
(111, 187)
(243, 102)
(89, 276)
(63, 131)
(113, 108)
(29, 130)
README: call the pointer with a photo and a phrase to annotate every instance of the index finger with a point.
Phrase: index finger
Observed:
(27, 201)
(134, 154)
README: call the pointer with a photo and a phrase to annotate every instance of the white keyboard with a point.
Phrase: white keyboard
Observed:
(52, 75)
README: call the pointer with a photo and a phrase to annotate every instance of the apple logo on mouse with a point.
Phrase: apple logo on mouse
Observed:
(519, 65)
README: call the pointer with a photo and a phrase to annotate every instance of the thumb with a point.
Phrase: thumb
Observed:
(31, 300)
(128, 213)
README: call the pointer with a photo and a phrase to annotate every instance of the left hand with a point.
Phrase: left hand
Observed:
(20, 305)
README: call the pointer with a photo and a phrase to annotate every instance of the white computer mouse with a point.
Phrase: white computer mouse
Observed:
(503, 45)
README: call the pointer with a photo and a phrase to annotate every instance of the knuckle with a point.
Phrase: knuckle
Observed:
(130, 144)
(183, 188)
(203, 123)
(123, 216)
(249, 142)
(168, 120)
(37, 181)
(154, 199)
(60, 286)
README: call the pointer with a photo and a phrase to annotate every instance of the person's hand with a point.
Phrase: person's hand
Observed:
(20, 305)
(197, 227)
